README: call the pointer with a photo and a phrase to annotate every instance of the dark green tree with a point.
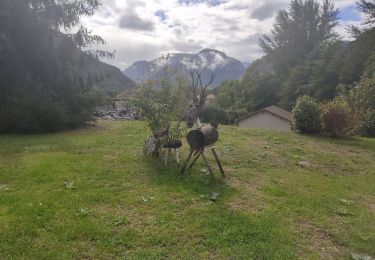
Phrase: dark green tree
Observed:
(357, 57)
(42, 85)
(229, 95)
(368, 9)
(304, 56)
(260, 91)
(306, 26)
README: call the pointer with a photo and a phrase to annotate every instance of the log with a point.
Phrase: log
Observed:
(152, 147)
(204, 136)
(172, 144)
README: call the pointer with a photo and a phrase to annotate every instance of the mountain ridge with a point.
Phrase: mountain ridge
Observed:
(107, 77)
(207, 61)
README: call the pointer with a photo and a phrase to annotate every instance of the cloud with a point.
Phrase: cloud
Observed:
(130, 20)
(208, 2)
(161, 14)
(189, 45)
(143, 29)
(267, 9)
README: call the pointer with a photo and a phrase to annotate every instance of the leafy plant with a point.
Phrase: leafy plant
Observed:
(361, 99)
(162, 103)
(215, 114)
(306, 116)
(367, 126)
(336, 117)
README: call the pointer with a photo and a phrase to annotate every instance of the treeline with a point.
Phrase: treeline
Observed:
(42, 84)
(303, 56)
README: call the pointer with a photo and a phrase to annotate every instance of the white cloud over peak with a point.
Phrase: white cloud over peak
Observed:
(144, 29)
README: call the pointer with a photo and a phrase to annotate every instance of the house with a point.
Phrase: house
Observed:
(271, 117)
(210, 97)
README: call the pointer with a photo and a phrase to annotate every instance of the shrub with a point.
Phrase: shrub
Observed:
(367, 126)
(306, 116)
(361, 98)
(233, 115)
(336, 117)
(162, 103)
(213, 114)
(364, 102)
(30, 112)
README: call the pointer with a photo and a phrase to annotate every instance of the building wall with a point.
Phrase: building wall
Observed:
(265, 120)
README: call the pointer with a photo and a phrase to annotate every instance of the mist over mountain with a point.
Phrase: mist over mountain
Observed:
(207, 61)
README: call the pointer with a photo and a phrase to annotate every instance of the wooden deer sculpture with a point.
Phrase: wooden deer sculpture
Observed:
(203, 137)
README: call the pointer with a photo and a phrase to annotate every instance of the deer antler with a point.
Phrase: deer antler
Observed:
(204, 93)
(213, 76)
(196, 77)
(195, 82)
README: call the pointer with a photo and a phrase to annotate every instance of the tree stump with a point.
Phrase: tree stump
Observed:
(152, 147)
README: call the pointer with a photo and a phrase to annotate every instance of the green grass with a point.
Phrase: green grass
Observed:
(91, 194)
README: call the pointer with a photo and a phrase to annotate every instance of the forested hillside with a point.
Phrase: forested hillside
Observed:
(304, 56)
(47, 81)
(106, 77)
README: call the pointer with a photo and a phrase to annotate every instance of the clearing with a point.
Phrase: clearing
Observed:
(91, 194)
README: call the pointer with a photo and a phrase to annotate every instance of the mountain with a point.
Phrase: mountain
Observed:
(246, 64)
(207, 61)
(107, 77)
(95, 72)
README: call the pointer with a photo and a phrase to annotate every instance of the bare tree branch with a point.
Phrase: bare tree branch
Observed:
(213, 76)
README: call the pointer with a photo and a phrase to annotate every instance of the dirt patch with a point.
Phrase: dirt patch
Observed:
(318, 242)
(89, 128)
(371, 206)
(368, 202)
(250, 198)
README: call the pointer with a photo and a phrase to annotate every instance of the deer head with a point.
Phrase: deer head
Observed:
(199, 99)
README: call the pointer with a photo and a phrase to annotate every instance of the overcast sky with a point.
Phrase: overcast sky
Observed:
(145, 29)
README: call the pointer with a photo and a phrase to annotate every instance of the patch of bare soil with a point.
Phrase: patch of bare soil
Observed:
(250, 198)
(342, 150)
(368, 201)
(318, 242)
(88, 128)
(94, 127)
(371, 206)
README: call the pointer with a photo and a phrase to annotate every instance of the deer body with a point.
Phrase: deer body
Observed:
(203, 137)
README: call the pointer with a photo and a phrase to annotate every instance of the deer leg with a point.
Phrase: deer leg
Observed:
(187, 161)
(176, 152)
(207, 164)
(218, 162)
(195, 159)
(166, 156)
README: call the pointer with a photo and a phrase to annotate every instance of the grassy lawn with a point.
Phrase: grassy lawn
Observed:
(91, 194)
